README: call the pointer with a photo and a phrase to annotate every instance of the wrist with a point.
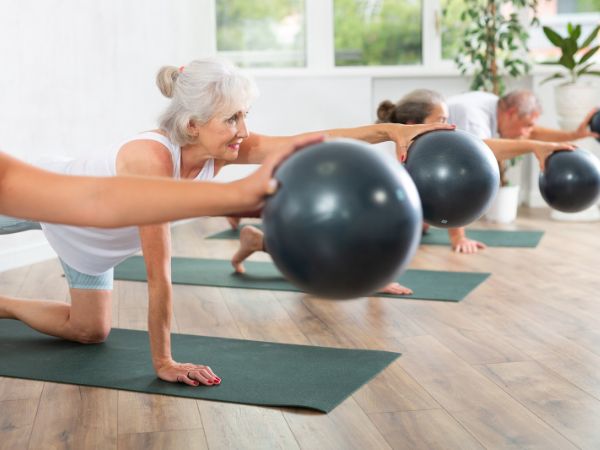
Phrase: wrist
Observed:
(536, 147)
(383, 132)
(159, 362)
(456, 233)
(238, 197)
(574, 135)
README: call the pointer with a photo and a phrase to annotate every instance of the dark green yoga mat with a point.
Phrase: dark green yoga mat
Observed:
(253, 372)
(437, 236)
(491, 238)
(426, 284)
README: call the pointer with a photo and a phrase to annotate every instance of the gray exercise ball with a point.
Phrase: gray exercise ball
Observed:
(345, 221)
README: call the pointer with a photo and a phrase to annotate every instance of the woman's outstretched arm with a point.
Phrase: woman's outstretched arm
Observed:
(35, 194)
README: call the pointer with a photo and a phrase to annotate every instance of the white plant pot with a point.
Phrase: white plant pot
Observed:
(573, 102)
(504, 207)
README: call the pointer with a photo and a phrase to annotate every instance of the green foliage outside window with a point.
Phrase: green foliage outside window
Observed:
(453, 28)
(257, 26)
(377, 32)
(586, 6)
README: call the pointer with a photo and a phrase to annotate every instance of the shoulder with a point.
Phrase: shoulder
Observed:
(144, 157)
(6, 162)
(11, 169)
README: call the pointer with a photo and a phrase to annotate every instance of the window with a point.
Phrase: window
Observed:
(354, 33)
(265, 33)
(557, 14)
(452, 27)
(377, 32)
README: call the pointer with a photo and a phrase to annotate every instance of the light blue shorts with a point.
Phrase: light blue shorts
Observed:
(76, 279)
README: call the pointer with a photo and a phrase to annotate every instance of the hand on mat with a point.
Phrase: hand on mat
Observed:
(544, 149)
(403, 135)
(466, 245)
(234, 222)
(191, 374)
(396, 289)
(261, 183)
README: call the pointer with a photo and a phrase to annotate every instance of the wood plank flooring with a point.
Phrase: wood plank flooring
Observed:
(514, 365)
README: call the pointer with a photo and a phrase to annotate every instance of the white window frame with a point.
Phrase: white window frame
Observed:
(320, 51)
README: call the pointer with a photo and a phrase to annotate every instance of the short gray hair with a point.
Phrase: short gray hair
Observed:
(199, 91)
(523, 101)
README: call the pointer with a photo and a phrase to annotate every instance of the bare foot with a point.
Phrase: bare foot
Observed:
(234, 222)
(396, 289)
(251, 240)
(425, 229)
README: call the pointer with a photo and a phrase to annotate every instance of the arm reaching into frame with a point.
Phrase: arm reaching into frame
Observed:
(35, 194)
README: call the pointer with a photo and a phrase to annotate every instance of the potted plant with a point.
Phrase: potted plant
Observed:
(575, 96)
(493, 47)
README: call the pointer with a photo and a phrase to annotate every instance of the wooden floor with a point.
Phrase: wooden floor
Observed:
(514, 365)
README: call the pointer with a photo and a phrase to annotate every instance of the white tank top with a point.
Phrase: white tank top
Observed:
(95, 250)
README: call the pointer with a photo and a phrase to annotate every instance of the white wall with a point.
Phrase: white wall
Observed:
(292, 105)
(295, 105)
(78, 76)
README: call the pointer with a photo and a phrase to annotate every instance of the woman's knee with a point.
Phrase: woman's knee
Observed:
(90, 316)
(93, 333)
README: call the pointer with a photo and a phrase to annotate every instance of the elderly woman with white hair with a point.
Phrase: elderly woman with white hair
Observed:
(202, 130)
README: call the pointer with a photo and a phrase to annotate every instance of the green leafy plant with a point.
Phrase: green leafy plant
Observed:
(494, 43)
(494, 46)
(575, 57)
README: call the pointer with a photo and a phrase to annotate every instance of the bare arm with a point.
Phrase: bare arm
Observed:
(32, 193)
(150, 158)
(509, 148)
(256, 147)
(553, 135)
(156, 244)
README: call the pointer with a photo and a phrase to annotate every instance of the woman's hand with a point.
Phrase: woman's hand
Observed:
(583, 130)
(191, 374)
(403, 135)
(542, 150)
(465, 245)
(261, 183)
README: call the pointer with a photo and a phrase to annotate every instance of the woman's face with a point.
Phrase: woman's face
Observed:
(222, 135)
(439, 114)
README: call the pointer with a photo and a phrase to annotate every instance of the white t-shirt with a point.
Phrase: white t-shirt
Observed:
(475, 112)
(95, 250)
